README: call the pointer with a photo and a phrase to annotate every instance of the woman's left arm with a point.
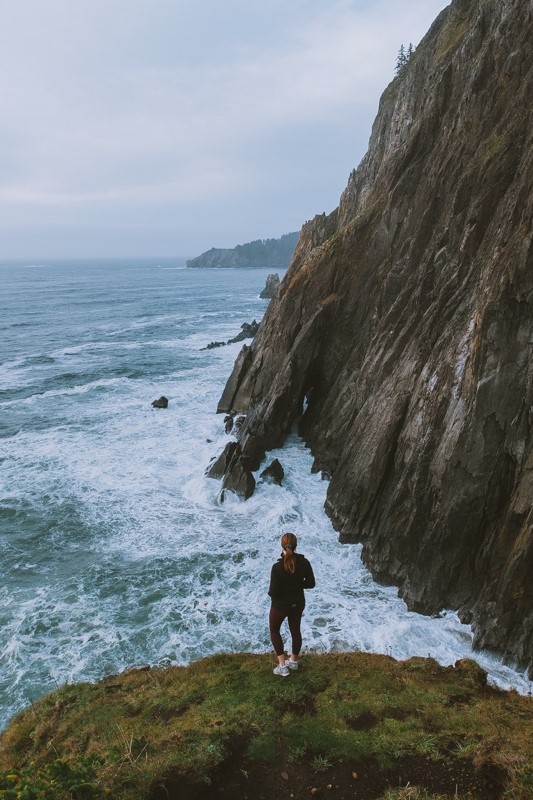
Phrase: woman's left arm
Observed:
(309, 577)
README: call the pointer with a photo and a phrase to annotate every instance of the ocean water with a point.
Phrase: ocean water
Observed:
(114, 549)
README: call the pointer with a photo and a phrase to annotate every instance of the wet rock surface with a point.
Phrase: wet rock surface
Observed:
(220, 465)
(248, 331)
(274, 473)
(272, 283)
(239, 422)
(238, 477)
(404, 328)
(161, 402)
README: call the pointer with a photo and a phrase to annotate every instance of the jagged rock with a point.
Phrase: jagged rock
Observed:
(234, 468)
(406, 320)
(239, 422)
(228, 423)
(219, 466)
(248, 331)
(252, 449)
(274, 473)
(162, 402)
(238, 479)
(272, 283)
(225, 402)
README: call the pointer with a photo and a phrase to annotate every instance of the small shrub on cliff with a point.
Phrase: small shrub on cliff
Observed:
(403, 57)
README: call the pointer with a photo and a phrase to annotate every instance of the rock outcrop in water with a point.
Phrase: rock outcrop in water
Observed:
(161, 402)
(248, 331)
(274, 473)
(272, 283)
(238, 476)
(404, 328)
(219, 466)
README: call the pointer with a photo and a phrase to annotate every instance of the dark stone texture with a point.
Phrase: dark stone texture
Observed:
(238, 479)
(220, 465)
(225, 402)
(405, 322)
(234, 467)
(239, 422)
(248, 331)
(162, 402)
(272, 283)
(274, 473)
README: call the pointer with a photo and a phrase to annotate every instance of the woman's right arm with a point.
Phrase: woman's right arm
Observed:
(273, 588)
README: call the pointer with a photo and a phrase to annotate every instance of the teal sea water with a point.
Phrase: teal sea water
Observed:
(114, 549)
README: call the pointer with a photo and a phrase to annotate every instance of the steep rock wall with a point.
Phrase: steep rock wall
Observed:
(406, 322)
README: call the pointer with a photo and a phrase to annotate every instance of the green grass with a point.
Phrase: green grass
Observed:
(128, 733)
(452, 34)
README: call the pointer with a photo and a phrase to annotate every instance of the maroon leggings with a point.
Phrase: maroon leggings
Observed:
(294, 618)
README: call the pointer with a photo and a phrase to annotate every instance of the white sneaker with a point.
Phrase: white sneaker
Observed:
(292, 664)
(281, 670)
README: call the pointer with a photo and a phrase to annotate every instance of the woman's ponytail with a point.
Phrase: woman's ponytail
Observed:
(288, 545)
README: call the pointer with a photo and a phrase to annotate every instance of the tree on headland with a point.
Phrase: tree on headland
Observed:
(271, 253)
(401, 60)
(404, 56)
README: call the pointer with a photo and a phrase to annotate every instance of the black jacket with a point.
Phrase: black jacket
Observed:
(286, 588)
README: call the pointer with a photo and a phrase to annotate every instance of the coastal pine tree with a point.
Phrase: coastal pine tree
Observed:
(404, 56)
(401, 60)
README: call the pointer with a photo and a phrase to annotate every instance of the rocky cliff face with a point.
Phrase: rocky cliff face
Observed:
(405, 323)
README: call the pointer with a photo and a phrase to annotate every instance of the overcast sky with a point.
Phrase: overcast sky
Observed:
(165, 127)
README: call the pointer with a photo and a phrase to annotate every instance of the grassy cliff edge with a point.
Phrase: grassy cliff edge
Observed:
(345, 725)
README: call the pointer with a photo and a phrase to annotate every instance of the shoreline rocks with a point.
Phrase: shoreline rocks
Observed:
(274, 473)
(162, 402)
(272, 283)
(234, 469)
(248, 331)
(220, 465)
(238, 479)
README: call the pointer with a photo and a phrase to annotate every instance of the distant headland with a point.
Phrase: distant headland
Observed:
(267, 253)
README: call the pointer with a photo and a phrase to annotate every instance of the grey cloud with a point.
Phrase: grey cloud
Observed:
(180, 125)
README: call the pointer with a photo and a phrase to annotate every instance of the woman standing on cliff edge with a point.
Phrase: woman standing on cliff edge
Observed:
(291, 574)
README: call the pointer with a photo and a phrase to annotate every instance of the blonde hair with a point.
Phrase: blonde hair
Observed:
(288, 545)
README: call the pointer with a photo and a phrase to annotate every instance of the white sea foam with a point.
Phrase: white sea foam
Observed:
(93, 346)
(120, 552)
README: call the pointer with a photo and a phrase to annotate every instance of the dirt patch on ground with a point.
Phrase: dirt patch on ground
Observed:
(363, 722)
(239, 780)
